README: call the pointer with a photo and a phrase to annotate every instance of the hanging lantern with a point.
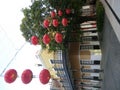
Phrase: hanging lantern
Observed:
(68, 11)
(46, 23)
(27, 76)
(44, 76)
(46, 39)
(34, 40)
(55, 22)
(58, 37)
(10, 76)
(60, 13)
(53, 14)
(64, 22)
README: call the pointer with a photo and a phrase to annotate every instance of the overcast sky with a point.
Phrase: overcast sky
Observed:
(11, 41)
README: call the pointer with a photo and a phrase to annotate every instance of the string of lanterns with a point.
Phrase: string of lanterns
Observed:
(26, 76)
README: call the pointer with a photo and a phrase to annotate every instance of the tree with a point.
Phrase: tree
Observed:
(52, 21)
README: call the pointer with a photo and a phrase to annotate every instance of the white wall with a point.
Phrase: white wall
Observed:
(115, 4)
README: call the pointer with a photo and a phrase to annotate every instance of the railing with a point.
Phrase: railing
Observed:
(60, 68)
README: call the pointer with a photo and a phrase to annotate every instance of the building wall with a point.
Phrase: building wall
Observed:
(45, 56)
(53, 61)
(74, 58)
(115, 6)
(85, 55)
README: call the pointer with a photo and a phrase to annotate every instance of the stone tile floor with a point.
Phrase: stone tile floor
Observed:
(110, 58)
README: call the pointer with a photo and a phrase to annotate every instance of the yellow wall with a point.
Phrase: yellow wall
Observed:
(45, 56)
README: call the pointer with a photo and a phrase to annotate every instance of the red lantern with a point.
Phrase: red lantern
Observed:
(53, 14)
(46, 39)
(27, 76)
(55, 22)
(46, 23)
(60, 13)
(10, 76)
(44, 76)
(58, 37)
(68, 11)
(34, 40)
(64, 22)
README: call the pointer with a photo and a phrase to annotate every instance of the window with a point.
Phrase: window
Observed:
(88, 47)
(56, 61)
(58, 69)
(89, 62)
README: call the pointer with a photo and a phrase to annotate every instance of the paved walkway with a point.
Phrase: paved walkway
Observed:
(110, 58)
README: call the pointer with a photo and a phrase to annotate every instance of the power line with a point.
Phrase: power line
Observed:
(13, 58)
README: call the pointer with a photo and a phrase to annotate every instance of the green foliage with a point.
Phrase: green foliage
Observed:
(33, 19)
(100, 15)
(32, 23)
(63, 4)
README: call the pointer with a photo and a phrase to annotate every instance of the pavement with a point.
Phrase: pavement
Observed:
(110, 62)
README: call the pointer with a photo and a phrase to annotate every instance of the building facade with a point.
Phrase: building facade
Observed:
(77, 67)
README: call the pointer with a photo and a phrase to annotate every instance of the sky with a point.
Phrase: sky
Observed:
(14, 48)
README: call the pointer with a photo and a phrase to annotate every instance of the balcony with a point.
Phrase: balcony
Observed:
(61, 67)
